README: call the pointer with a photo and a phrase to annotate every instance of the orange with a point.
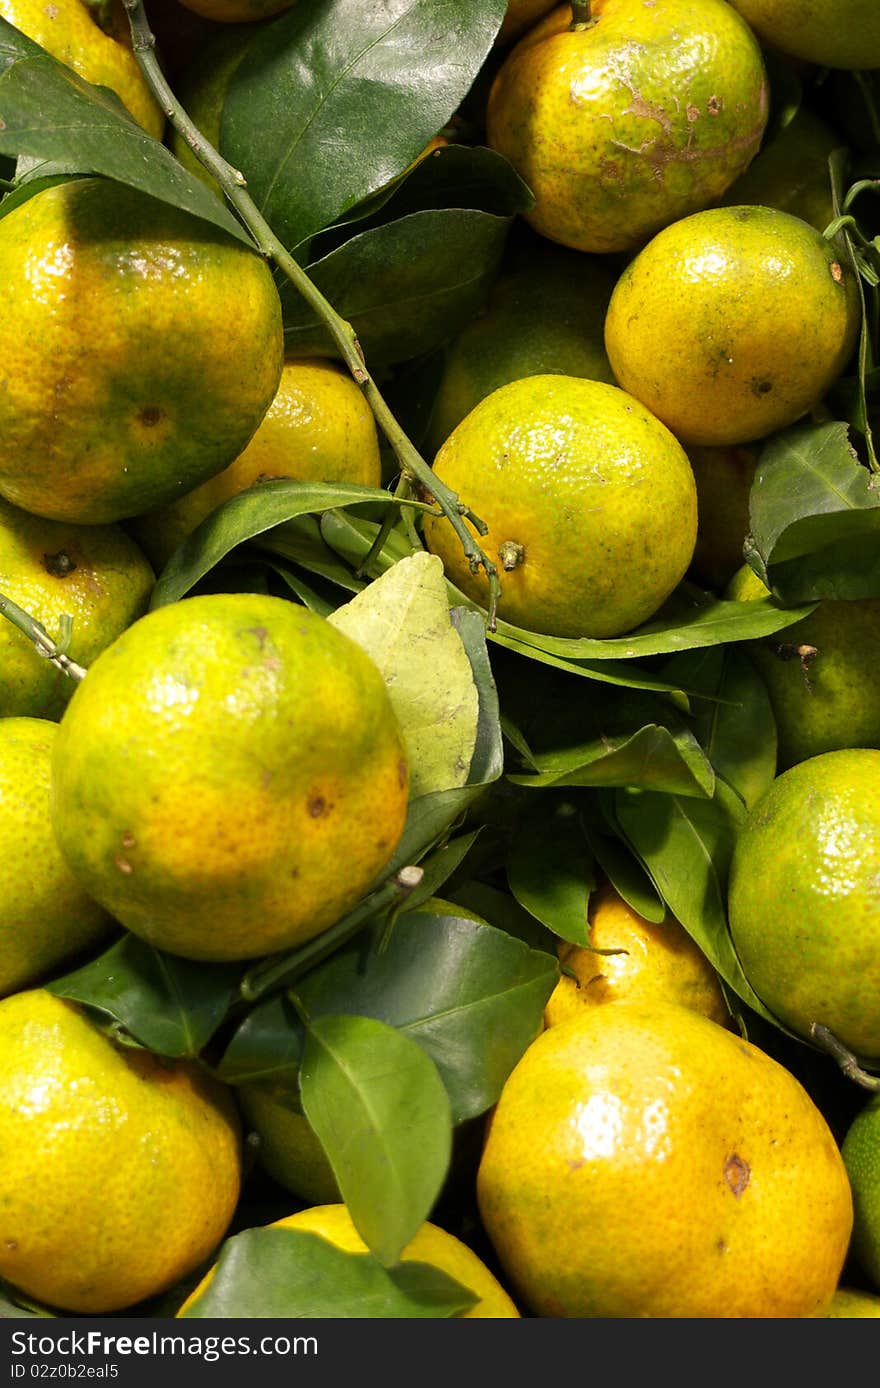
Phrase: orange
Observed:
(644, 960)
(838, 33)
(141, 348)
(288, 1147)
(589, 500)
(851, 1303)
(545, 316)
(46, 919)
(519, 16)
(120, 1171)
(791, 172)
(319, 428)
(623, 127)
(431, 1244)
(230, 777)
(802, 900)
(822, 674)
(94, 574)
(861, 1155)
(96, 42)
(732, 323)
(642, 1161)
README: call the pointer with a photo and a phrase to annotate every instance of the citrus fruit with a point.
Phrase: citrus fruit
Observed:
(319, 428)
(589, 500)
(822, 674)
(644, 960)
(625, 126)
(643, 1161)
(431, 1245)
(96, 42)
(94, 574)
(850, 1303)
(791, 172)
(230, 777)
(46, 919)
(724, 479)
(545, 316)
(802, 899)
(839, 34)
(519, 16)
(120, 1171)
(861, 1155)
(732, 323)
(114, 402)
(288, 1147)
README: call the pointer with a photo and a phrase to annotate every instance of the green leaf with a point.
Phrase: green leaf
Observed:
(171, 1005)
(550, 870)
(625, 873)
(438, 866)
(351, 95)
(405, 287)
(243, 517)
(381, 1113)
(472, 996)
(735, 721)
(815, 517)
(402, 621)
(290, 1274)
(687, 845)
(652, 757)
(49, 112)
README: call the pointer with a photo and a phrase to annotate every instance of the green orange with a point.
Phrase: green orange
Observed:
(830, 33)
(733, 323)
(861, 1154)
(120, 1171)
(643, 1161)
(589, 500)
(94, 574)
(318, 428)
(822, 674)
(623, 126)
(545, 315)
(230, 777)
(46, 919)
(803, 903)
(141, 349)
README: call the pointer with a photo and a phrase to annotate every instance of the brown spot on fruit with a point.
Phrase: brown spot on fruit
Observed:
(150, 416)
(736, 1174)
(402, 772)
(123, 864)
(317, 806)
(58, 565)
(128, 839)
(836, 272)
(713, 105)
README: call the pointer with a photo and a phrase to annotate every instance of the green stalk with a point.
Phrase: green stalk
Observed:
(828, 1042)
(233, 184)
(581, 15)
(53, 651)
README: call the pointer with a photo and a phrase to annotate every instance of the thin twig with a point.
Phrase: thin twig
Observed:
(233, 184)
(827, 1041)
(43, 643)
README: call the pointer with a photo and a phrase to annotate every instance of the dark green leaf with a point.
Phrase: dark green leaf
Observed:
(687, 845)
(735, 722)
(267, 1045)
(502, 910)
(381, 1112)
(290, 1274)
(439, 866)
(244, 516)
(351, 95)
(405, 287)
(551, 872)
(171, 1005)
(653, 757)
(472, 996)
(625, 873)
(300, 541)
(815, 517)
(49, 112)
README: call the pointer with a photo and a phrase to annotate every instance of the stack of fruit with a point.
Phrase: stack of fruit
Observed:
(440, 714)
